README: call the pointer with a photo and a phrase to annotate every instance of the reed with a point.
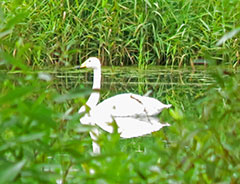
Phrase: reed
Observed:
(139, 32)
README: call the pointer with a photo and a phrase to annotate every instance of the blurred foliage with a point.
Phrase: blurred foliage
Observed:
(36, 130)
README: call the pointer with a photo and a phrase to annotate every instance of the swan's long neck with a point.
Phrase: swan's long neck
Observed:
(95, 95)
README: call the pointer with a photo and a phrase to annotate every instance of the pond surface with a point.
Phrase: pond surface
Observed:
(164, 82)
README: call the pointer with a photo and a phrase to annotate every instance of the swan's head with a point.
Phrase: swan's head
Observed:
(91, 62)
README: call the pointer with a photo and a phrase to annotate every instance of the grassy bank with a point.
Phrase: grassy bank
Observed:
(120, 33)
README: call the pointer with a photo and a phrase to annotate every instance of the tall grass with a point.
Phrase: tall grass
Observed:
(126, 32)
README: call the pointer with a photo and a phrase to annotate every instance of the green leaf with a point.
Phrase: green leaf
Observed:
(11, 60)
(83, 128)
(16, 19)
(30, 137)
(77, 93)
(228, 36)
(4, 33)
(177, 113)
(17, 93)
(8, 172)
(40, 113)
(22, 139)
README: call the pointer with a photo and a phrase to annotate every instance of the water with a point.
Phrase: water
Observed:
(161, 80)
(182, 85)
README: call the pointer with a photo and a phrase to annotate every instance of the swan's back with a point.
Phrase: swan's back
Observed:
(129, 104)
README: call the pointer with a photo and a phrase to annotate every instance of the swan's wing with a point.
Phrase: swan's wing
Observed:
(119, 105)
(129, 104)
(151, 105)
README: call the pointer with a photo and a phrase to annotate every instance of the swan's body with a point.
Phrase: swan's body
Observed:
(135, 115)
(129, 104)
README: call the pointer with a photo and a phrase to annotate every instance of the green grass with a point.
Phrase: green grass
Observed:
(120, 33)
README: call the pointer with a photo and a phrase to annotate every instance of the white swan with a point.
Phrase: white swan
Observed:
(135, 115)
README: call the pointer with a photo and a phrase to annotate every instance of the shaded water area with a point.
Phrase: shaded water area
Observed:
(164, 82)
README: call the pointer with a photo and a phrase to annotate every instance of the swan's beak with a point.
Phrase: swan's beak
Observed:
(83, 65)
